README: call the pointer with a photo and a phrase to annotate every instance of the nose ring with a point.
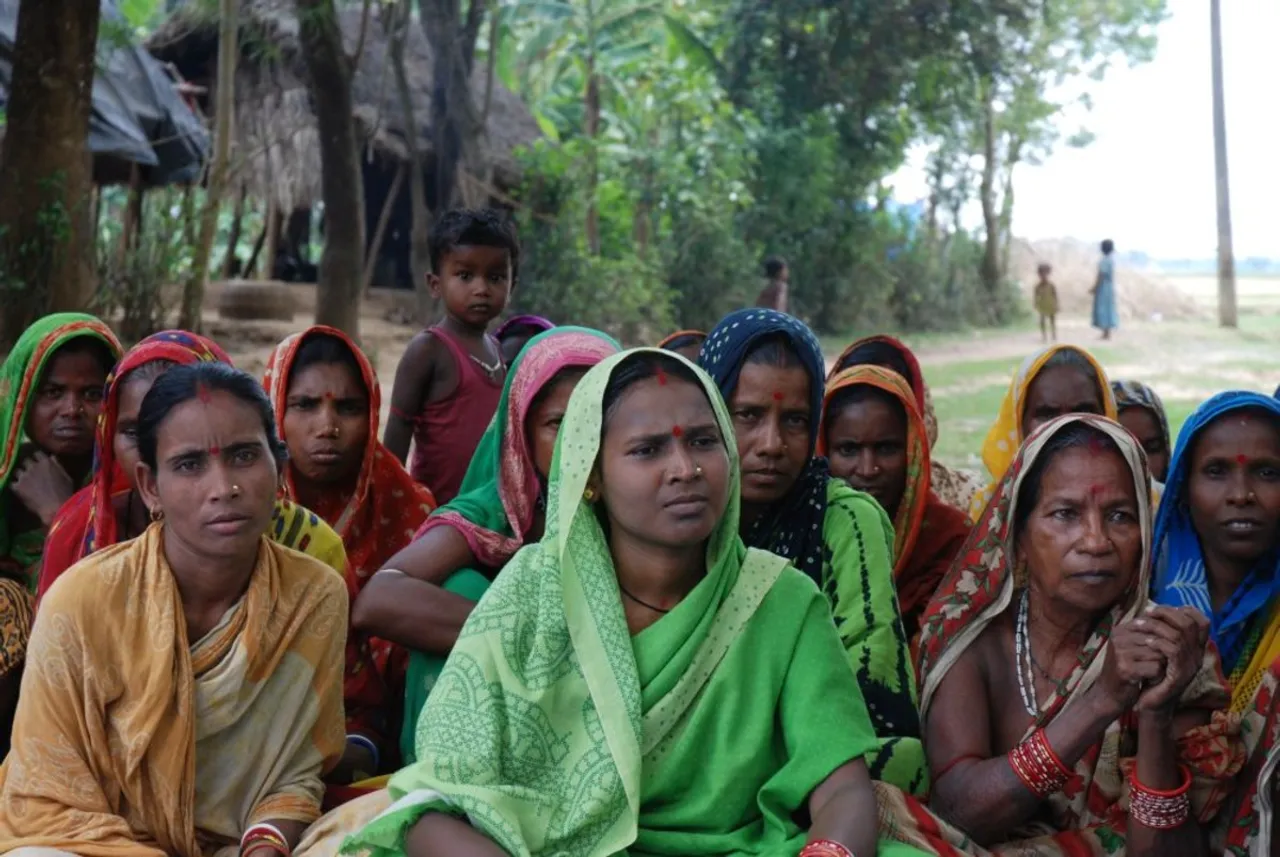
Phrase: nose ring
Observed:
(235, 490)
(698, 470)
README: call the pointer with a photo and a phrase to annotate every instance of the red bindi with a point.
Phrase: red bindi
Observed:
(215, 451)
(777, 397)
(1095, 490)
(1242, 460)
(676, 431)
(329, 396)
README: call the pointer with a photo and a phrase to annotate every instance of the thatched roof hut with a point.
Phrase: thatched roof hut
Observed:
(276, 137)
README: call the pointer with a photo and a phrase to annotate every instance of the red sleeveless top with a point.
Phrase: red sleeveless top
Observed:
(446, 433)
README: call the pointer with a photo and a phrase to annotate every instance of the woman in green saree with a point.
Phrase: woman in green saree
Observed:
(639, 682)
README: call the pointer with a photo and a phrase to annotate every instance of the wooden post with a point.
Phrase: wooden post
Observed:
(233, 239)
(132, 214)
(272, 245)
(380, 231)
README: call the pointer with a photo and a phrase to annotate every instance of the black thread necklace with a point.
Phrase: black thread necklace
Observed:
(642, 603)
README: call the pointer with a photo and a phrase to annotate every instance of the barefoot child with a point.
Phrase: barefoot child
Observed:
(1046, 301)
(449, 380)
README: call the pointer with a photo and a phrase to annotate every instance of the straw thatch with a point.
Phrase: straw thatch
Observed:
(277, 149)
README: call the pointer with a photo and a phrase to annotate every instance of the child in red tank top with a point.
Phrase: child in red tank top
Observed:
(450, 378)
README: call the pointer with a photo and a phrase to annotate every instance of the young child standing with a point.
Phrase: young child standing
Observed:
(1046, 301)
(450, 378)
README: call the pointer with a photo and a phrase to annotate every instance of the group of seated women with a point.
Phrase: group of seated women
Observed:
(728, 606)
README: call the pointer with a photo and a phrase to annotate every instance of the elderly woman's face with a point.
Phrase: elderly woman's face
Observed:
(1082, 543)
(1057, 391)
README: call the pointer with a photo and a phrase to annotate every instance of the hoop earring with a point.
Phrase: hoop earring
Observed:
(589, 495)
(157, 515)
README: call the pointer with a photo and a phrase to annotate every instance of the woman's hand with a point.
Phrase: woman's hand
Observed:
(1179, 635)
(42, 486)
(1130, 664)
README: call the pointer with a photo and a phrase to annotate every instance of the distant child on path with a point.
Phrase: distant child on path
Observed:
(1105, 316)
(774, 295)
(450, 378)
(1046, 301)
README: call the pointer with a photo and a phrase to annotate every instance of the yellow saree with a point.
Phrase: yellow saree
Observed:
(129, 740)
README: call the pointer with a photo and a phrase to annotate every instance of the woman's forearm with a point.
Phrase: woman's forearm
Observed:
(986, 799)
(1158, 768)
(440, 835)
(410, 612)
(848, 817)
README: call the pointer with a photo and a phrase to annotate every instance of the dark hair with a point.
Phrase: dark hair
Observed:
(1108, 247)
(636, 368)
(567, 373)
(774, 350)
(90, 345)
(523, 329)
(1076, 435)
(325, 349)
(877, 353)
(856, 394)
(182, 384)
(484, 227)
(685, 340)
(774, 266)
(149, 371)
(1070, 357)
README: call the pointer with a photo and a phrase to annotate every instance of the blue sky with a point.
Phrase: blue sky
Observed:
(1148, 179)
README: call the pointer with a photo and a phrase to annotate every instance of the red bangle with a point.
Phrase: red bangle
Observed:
(1039, 768)
(1160, 810)
(825, 848)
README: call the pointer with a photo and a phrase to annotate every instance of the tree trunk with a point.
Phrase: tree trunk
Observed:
(454, 124)
(420, 227)
(1227, 309)
(1006, 208)
(46, 252)
(593, 157)
(190, 317)
(380, 231)
(271, 247)
(233, 238)
(342, 262)
(990, 268)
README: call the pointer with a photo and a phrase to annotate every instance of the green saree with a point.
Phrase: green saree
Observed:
(555, 732)
(19, 381)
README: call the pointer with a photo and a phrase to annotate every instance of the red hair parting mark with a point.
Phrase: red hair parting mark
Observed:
(676, 431)
(1097, 446)
(777, 395)
(662, 377)
(203, 394)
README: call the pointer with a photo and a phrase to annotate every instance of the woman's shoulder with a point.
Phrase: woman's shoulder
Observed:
(86, 586)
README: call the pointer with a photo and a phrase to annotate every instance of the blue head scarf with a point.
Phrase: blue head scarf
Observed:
(793, 527)
(1181, 579)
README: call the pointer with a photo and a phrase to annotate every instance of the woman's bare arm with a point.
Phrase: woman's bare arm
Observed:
(843, 809)
(439, 835)
(404, 602)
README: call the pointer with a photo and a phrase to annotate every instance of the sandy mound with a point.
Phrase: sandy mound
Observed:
(1075, 267)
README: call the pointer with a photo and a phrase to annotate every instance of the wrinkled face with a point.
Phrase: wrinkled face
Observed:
(771, 417)
(663, 466)
(215, 477)
(542, 423)
(1233, 487)
(133, 389)
(1057, 391)
(326, 423)
(867, 446)
(1143, 424)
(1082, 543)
(474, 283)
(66, 403)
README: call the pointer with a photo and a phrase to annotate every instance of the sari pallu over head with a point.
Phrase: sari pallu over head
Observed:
(1005, 435)
(793, 528)
(19, 376)
(381, 515)
(495, 506)
(1090, 814)
(87, 522)
(1135, 394)
(1181, 578)
(926, 532)
(539, 723)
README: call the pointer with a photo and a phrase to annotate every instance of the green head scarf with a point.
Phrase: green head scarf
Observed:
(19, 381)
(538, 724)
(495, 506)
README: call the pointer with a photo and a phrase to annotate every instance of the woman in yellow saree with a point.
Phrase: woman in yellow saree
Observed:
(184, 690)
(639, 682)
(1065, 714)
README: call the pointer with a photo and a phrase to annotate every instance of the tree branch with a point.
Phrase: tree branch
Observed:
(354, 59)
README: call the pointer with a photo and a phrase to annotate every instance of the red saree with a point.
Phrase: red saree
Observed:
(1090, 815)
(375, 521)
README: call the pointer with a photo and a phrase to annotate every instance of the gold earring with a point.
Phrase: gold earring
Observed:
(589, 495)
(157, 515)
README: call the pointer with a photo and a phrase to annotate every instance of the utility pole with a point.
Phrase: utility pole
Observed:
(1228, 315)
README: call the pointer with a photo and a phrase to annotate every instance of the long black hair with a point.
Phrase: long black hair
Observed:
(184, 383)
